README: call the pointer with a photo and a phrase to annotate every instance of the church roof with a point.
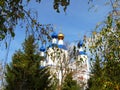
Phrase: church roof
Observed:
(62, 47)
(42, 49)
(82, 53)
(59, 46)
(54, 35)
(60, 36)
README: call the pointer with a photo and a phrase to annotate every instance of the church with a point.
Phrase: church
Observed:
(59, 61)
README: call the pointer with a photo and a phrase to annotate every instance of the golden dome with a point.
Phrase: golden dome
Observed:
(60, 36)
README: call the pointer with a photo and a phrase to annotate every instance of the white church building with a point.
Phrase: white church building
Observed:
(57, 58)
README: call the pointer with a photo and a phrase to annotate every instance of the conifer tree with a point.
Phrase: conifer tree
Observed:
(24, 72)
(96, 76)
(69, 83)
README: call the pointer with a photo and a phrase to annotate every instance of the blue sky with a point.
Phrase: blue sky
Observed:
(75, 23)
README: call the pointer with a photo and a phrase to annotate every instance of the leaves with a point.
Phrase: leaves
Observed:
(25, 73)
(69, 83)
(105, 56)
(63, 3)
(14, 10)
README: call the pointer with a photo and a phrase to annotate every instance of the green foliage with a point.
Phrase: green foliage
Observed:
(95, 81)
(105, 50)
(24, 72)
(69, 83)
(13, 11)
(58, 3)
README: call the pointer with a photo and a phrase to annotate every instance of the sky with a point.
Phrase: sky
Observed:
(76, 22)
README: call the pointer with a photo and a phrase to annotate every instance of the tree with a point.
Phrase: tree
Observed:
(24, 72)
(1, 75)
(105, 46)
(13, 11)
(69, 83)
(95, 81)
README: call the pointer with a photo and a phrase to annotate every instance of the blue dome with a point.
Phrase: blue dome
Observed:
(42, 49)
(52, 45)
(80, 44)
(54, 35)
(82, 53)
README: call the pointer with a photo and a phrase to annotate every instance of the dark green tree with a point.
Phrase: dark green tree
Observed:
(95, 81)
(69, 83)
(24, 72)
